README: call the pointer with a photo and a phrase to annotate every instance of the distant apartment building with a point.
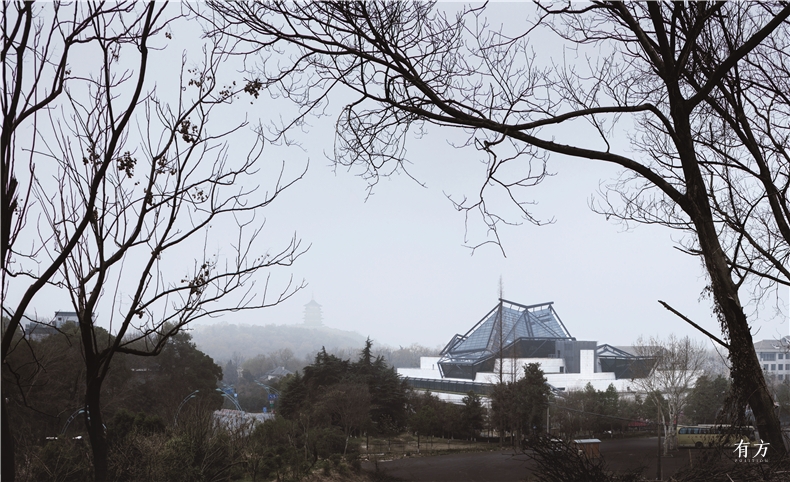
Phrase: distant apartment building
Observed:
(774, 356)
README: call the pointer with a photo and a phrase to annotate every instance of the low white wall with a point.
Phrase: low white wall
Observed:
(429, 362)
(418, 373)
(548, 365)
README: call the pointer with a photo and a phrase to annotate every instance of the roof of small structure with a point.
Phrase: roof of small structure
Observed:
(279, 372)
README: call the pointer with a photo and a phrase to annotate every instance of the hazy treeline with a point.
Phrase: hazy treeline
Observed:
(401, 357)
(299, 344)
(225, 341)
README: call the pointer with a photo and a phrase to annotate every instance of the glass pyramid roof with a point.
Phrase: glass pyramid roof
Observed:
(517, 322)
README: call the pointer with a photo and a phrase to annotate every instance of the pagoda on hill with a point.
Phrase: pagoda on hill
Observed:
(312, 314)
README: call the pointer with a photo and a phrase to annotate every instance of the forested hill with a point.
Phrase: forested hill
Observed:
(223, 341)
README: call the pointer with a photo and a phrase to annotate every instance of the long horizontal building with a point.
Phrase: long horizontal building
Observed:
(775, 357)
(512, 335)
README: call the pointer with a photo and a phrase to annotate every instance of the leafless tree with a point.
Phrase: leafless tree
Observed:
(35, 55)
(688, 99)
(678, 364)
(136, 183)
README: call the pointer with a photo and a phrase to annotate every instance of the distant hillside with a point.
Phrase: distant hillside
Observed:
(222, 341)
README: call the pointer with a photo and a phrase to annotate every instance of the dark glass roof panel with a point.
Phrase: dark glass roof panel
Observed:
(479, 338)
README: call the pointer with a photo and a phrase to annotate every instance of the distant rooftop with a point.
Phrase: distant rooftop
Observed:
(778, 345)
(66, 314)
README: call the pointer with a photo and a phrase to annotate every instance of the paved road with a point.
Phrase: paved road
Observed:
(501, 466)
(505, 466)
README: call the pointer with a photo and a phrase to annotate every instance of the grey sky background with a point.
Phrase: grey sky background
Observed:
(394, 265)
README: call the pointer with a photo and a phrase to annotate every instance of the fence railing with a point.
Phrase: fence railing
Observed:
(400, 448)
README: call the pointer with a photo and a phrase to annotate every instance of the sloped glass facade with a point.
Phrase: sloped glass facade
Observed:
(509, 330)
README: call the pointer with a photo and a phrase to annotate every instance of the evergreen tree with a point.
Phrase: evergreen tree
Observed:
(472, 415)
(230, 374)
(707, 398)
(520, 407)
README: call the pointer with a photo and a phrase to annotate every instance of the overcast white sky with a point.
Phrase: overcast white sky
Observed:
(395, 267)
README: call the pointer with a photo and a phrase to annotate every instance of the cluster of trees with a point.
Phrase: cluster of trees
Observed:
(595, 412)
(520, 407)
(321, 409)
(374, 390)
(160, 423)
(589, 411)
(141, 397)
(246, 377)
(430, 416)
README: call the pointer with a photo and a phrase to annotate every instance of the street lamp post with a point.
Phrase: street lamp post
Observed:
(185, 400)
(71, 418)
(232, 399)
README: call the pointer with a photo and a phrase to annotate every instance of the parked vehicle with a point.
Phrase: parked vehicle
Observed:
(700, 436)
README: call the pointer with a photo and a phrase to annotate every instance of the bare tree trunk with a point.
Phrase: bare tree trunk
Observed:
(748, 381)
(95, 424)
(9, 465)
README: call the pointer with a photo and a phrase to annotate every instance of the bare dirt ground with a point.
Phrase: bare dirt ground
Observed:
(506, 466)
